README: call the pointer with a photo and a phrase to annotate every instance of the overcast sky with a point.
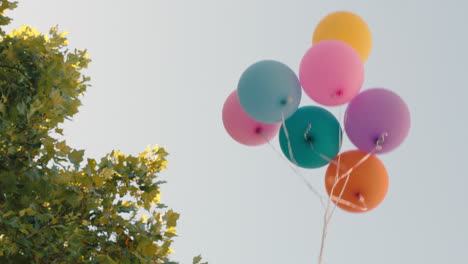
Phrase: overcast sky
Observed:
(162, 69)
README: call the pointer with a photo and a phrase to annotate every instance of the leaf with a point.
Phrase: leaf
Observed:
(28, 211)
(2, 108)
(149, 250)
(197, 259)
(98, 180)
(172, 218)
(103, 220)
(170, 234)
(107, 173)
(76, 157)
(63, 148)
(9, 213)
(164, 249)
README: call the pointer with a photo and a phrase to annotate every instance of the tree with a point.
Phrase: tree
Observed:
(55, 205)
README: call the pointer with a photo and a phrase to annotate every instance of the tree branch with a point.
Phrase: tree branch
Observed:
(18, 70)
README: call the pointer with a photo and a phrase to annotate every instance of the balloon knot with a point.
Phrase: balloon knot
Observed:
(380, 141)
(338, 93)
(286, 101)
(308, 138)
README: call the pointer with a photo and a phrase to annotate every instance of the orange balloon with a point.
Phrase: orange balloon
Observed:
(367, 184)
(347, 27)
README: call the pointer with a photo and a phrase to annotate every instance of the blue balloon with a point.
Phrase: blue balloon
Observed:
(268, 91)
(314, 137)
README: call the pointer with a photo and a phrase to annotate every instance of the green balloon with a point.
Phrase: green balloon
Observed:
(315, 137)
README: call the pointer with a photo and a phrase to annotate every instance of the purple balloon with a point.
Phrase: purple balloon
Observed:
(377, 120)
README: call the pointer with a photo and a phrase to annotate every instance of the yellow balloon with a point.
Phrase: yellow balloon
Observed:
(347, 27)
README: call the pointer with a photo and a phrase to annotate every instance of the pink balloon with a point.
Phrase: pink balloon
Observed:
(331, 72)
(244, 129)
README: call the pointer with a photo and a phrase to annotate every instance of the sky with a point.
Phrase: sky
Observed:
(162, 69)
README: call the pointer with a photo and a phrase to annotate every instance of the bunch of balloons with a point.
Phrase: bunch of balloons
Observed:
(266, 102)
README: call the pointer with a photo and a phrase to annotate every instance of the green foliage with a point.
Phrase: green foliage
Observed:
(198, 259)
(4, 20)
(55, 205)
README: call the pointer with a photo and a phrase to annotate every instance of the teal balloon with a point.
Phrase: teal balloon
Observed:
(268, 91)
(315, 136)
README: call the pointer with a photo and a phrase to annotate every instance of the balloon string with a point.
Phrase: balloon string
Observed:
(337, 200)
(329, 160)
(328, 214)
(288, 139)
(286, 133)
(348, 172)
(346, 176)
(350, 204)
(378, 146)
(363, 202)
(297, 173)
(326, 217)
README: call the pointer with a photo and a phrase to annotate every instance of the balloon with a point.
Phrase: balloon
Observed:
(269, 90)
(367, 184)
(242, 128)
(347, 27)
(377, 116)
(331, 72)
(314, 136)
